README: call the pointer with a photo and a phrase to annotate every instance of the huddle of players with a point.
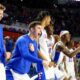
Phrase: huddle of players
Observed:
(54, 59)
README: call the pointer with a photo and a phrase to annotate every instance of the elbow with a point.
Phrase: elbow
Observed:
(70, 56)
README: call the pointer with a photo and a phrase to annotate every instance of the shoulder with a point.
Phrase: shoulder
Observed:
(44, 34)
(22, 39)
(58, 44)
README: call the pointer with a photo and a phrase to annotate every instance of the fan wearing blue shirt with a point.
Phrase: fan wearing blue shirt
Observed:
(24, 53)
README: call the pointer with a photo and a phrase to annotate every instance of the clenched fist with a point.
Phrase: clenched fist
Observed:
(45, 63)
(52, 64)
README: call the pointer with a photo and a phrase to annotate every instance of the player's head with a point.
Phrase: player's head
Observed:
(49, 30)
(65, 36)
(2, 8)
(45, 17)
(70, 44)
(35, 29)
(57, 38)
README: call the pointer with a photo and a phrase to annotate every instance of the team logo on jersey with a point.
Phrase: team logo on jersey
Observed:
(31, 47)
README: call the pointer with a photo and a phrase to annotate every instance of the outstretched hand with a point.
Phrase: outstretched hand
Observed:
(45, 63)
(52, 64)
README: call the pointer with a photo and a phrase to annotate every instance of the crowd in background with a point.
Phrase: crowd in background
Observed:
(63, 17)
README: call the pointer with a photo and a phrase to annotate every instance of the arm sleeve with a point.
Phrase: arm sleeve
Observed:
(24, 50)
(2, 50)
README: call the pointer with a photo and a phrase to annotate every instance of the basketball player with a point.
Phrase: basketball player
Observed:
(70, 62)
(60, 49)
(50, 43)
(48, 73)
(50, 39)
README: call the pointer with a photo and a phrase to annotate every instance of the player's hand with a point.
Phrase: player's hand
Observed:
(31, 47)
(45, 63)
(79, 49)
(52, 64)
(8, 55)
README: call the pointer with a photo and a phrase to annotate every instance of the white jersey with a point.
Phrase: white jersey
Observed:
(58, 57)
(44, 34)
(43, 44)
(50, 43)
(70, 67)
(49, 72)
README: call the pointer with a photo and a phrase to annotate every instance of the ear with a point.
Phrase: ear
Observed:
(32, 30)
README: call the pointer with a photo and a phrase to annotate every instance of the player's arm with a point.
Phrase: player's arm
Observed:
(64, 61)
(67, 52)
(24, 49)
(42, 56)
(24, 52)
(75, 62)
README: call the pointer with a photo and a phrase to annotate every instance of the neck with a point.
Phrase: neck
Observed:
(48, 36)
(31, 36)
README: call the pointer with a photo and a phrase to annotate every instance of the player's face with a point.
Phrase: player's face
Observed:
(47, 20)
(67, 37)
(37, 31)
(1, 14)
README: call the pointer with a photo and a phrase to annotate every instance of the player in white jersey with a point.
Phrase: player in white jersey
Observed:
(58, 59)
(50, 43)
(47, 73)
(70, 67)
(60, 48)
(50, 39)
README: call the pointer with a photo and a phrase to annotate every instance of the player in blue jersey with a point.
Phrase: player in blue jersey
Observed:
(2, 50)
(24, 53)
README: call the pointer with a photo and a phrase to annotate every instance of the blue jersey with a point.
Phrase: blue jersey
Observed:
(23, 56)
(2, 50)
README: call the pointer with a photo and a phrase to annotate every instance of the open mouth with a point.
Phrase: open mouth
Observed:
(39, 34)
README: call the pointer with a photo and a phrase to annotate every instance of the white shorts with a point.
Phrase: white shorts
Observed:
(50, 73)
(17, 76)
(71, 70)
(2, 72)
(59, 74)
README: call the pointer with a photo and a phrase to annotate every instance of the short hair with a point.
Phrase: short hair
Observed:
(34, 23)
(42, 14)
(2, 7)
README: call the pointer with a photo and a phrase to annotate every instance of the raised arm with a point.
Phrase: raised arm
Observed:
(67, 52)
